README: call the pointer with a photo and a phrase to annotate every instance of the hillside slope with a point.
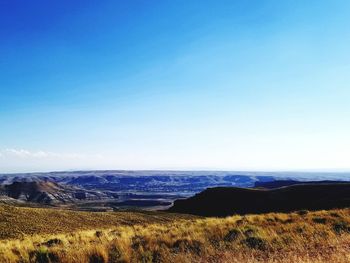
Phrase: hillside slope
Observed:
(45, 192)
(224, 201)
(17, 222)
(52, 235)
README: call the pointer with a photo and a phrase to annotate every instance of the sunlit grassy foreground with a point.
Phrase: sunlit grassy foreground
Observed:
(322, 236)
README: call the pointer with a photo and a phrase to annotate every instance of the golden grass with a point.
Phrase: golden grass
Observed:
(322, 236)
(16, 222)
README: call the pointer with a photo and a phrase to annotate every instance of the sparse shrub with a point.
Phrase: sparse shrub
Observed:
(287, 239)
(185, 245)
(138, 242)
(98, 254)
(114, 254)
(255, 243)
(40, 255)
(249, 232)
(300, 230)
(157, 257)
(321, 233)
(341, 227)
(277, 219)
(232, 235)
(302, 212)
(146, 257)
(319, 220)
(277, 243)
(54, 258)
(334, 214)
(16, 251)
(115, 233)
(53, 242)
(99, 234)
(96, 258)
(242, 221)
(288, 221)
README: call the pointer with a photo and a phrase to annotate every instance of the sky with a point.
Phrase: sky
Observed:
(174, 84)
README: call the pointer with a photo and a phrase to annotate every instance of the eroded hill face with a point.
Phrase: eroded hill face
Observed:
(45, 192)
(225, 201)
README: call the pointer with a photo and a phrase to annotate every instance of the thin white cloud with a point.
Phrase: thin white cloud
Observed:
(26, 154)
(23, 160)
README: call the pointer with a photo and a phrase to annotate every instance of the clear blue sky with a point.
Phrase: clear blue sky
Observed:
(234, 85)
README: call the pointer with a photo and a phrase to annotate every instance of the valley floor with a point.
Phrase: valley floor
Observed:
(51, 235)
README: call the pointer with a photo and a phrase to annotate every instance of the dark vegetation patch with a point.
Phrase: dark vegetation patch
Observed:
(319, 220)
(42, 255)
(53, 242)
(255, 243)
(138, 242)
(250, 231)
(114, 254)
(96, 258)
(335, 214)
(341, 227)
(232, 235)
(302, 212)
(185, 245)
(99, 234)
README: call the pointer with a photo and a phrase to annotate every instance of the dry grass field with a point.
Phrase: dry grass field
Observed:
(49, 235)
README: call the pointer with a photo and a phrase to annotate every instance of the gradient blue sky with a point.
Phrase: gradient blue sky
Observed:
(232, 85)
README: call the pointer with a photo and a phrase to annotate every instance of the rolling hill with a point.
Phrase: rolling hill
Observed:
(282, 183)
(224, 201)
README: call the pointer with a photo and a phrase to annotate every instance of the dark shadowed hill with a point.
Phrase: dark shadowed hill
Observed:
(282, 183)
(224, 201)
